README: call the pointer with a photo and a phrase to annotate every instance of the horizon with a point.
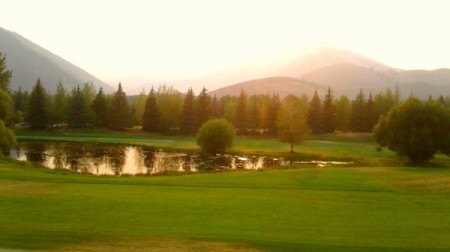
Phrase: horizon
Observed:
(167, 41)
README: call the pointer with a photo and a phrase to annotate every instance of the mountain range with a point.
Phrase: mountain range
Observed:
(29, 62)
(345, 72)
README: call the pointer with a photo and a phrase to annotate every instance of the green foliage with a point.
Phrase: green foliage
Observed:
(216, 136)
(241, 112)
(120, 116)
(386, 100)
(78, 111)
(291, 122)
(343, 112)
(151, 117)
(314, 114)
(371, 114)
(415, 129)
(6, 105)
(188, 125)
(7, 139)
(139, 108)
(358, 118)
(328, 113)
(203, 107)
(5, 74)
(38, 109)
(100, 108)
(171, 104)
(59, 109)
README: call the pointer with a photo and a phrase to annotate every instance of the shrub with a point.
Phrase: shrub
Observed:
(216, 136)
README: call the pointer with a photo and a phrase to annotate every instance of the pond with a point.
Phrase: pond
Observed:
(117, 159)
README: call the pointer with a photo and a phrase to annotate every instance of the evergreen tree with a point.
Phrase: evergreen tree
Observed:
(5, 74)
(203, 108)
(139, 108)
(314, 114)
(371, 114)
(78, 114)
(358, 118)
(343, 112)
(38, 107)
(215, 108)
(241, 112)
(188, 116)
(328, 113)
(273, 114)
(20, 100)
(252, 113)
(89, 94)
(150, 120)
(120, 111)
(100, 109)
(59, 110)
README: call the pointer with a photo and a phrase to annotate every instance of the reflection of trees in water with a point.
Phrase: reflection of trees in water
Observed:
(148, 156)
(58, 151)
(116, 154)
(36, 151)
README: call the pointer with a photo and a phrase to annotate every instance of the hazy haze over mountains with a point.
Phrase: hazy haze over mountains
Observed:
(30, 62)
(292, 72)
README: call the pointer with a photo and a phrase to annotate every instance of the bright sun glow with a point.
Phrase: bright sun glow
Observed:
(169, 40)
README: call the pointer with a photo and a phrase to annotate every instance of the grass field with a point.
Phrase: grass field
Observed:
(381, 205)
(307, 209)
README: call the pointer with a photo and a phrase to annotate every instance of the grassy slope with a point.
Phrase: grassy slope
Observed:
(335, 209)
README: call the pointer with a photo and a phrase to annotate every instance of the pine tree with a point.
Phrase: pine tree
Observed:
(78, 115)
(120, 111)
(241, 112)
(358, 118)
(150, 120)
(328, 113)
(5, 74)
(203, 108)
(100, 108)
(252, 113)
(38, 107)
(343, 112)
(371, 114)
(59, 105)
(139, 108)
(188, 114)
(215, 108)
(315, 114)
(273, 114)
(89, 94)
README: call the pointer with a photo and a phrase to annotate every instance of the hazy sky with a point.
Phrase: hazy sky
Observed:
(177, 39)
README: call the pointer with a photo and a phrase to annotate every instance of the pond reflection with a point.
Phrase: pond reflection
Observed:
(109, 159)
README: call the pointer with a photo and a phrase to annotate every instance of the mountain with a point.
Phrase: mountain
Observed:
(29, 62)
(348, 79)
(281, 85)
(345, 72)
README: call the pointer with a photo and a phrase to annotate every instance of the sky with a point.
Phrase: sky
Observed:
(171, 39)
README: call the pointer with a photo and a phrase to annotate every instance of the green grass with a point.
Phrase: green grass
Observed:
(305, 209)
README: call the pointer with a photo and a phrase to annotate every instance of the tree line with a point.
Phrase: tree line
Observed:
(168, 111)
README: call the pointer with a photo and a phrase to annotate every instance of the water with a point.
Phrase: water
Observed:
(114, 159)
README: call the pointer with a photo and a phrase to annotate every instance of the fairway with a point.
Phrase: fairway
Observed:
(305, 209)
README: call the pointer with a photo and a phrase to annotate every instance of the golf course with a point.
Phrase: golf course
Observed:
(380, 204)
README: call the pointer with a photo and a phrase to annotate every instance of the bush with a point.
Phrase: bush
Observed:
(216, 136)
(7, 139)
(415, 129)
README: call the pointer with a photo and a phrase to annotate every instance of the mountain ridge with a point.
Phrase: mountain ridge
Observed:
(29, 61)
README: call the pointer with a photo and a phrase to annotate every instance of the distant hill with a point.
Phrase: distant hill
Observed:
(348, 79)
(281, 85)
(345, 72)
(30, 62)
